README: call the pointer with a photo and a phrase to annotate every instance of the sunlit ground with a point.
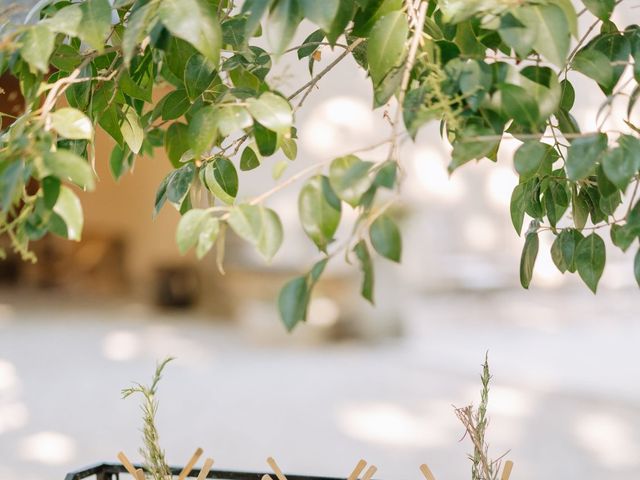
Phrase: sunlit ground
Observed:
(564, 399)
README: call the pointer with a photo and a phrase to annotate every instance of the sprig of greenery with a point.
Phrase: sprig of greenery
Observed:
(152, 453)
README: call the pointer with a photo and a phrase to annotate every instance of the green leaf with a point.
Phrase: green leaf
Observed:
(311, 44)
(197, 228)
(203, 129)
(231, 118)
(221, 179)
(272, 111)
(619, 167)
(272, 234)
(176, 142)
(528, 258)
(583, 154)
(132, 131)
(595, 65)
(194, 22)
(255, 10)
(600, 8)
(283, 23)
(563, 250)
(556, 202)
(320, 211)
(621, 237)
(259, 226)
(96, 23)
(37, 46)
(553, 34)
(66, 165)
(10, 180)
(135, 32)
(249, 159)
(266, 140)
(366, 265)
(349, 177)
(385, 238)
(198, 75)
(72, 124)
(386, 44)
(321, 13)
(69, 209)
(568, 95)
(518, 104)
(580, 209)
(117, 162)
(67, 20)
(590, 260)
(179, 184)
(175, 105)
(293, 301)
(636, 267)
(278, 169)
(534, 159)
(518, 206)
(386, 176)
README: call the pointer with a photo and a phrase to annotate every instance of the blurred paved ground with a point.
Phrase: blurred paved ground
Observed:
(566, 396)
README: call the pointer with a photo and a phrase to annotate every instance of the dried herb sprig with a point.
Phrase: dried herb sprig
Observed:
(475, 423)
(154, 457)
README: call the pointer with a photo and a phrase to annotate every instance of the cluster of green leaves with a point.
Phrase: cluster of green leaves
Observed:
(183, 75)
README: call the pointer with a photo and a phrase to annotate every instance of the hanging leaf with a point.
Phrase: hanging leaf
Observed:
(221, 179)
(249, 159)
(385, 238)
(203, 129)
(293, 301)
(386, 44)
(320, 211)
(198, 75)
(366, 265)
(197, 228)
(259, 226)
(194, 22)
(583, 154)
(71, 123)
(349, 177)
(66, 165)
(231, 118)
(600, 8)
(37, 46)
(590, 260)
(96, 23)
(132, 131)
(69, 210)
(528, 258)
(272, 111)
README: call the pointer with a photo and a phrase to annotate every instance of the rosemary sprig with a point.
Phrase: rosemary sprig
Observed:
(154, 457)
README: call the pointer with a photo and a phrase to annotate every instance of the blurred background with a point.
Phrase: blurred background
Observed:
(356, 381)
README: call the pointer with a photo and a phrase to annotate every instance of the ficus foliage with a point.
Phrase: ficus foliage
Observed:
(484, 69)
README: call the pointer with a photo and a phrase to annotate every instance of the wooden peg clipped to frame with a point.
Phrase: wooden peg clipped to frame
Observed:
(190, 464)
(371, 471)
(276, 469)
(426, 472)
(357, 470)
(128, 465)
(506, 472)
(140, 474)
(206, 468)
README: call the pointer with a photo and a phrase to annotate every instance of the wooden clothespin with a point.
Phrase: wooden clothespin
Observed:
(190, 464)
(426, 472)
(276, 469)
(206, 468)
(128, 465)
(506, 472)
(139, 474)
(371, 471)
(357, 470)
